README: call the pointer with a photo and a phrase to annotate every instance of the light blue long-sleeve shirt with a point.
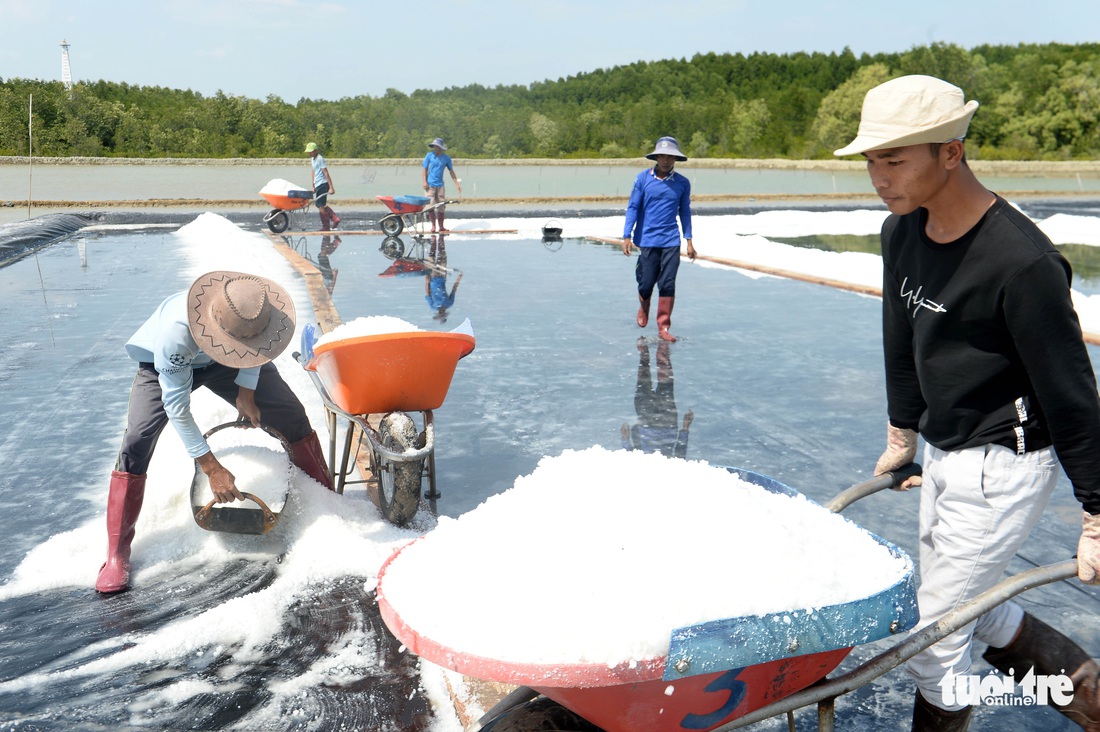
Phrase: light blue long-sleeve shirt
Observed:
(654, 205)
(165, 341)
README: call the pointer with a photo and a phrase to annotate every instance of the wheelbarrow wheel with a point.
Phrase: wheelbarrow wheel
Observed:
(392, 225)
(399, 481)
(278, 221)
(540, 715)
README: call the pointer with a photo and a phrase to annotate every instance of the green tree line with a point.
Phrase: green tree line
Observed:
(1039, 102)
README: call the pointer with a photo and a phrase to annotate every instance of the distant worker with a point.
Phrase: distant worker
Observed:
(985, 359)
(435, 162)
(221, 333)
(660, 195)
(322, 188)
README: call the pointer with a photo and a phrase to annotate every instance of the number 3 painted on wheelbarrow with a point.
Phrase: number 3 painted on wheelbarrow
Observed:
(726, 682)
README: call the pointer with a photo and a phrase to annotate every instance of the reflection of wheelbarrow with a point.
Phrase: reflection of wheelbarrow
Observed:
(406, 268)
(235, 518)
(387, 375)
(722, 674)
(285, 197)
(406, 212)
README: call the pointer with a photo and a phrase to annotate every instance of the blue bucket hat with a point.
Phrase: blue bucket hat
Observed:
(437, 142)
(667, 146)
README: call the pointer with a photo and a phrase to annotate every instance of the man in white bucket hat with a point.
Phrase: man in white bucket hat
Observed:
(985, 360)
(660, 196)
(221, 333)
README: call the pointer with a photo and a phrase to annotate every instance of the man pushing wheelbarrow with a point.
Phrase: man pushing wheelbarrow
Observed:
(322, 188)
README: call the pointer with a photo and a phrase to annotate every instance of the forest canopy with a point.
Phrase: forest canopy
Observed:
(1038, 102)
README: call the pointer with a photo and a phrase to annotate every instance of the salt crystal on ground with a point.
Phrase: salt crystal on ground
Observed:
(597, 556)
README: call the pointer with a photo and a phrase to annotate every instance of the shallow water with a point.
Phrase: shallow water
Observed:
(365, 179)
(780, 377)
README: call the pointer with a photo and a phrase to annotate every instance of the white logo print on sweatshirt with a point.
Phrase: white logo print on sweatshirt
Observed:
(915, 300)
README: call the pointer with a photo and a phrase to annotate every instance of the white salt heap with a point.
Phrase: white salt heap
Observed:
(366, 326)
(280, 187)
(260, 471)
(598, 555)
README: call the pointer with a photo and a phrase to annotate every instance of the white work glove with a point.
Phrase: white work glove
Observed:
(1088, 550)
(901, 449)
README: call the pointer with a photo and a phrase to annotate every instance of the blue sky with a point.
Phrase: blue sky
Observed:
(328, 49)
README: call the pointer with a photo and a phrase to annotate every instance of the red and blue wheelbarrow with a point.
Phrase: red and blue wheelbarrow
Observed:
(716, 675)
(406, 212)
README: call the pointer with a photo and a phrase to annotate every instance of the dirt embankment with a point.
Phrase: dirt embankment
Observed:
(1001, 167)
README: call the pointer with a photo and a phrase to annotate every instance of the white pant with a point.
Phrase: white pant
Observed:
(977, 507)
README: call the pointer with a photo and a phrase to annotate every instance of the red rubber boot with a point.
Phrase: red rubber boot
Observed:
(643, 311)
(123, 506)
(664, 318)
(307, 454)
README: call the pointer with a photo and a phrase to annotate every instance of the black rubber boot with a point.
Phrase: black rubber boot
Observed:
(927, 717)
(540, 715)
(1039, 646)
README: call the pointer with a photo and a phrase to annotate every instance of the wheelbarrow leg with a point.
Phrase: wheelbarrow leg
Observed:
(432, 491)
(429, 434)
(345, 457)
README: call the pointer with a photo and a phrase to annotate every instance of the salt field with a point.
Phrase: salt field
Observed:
(281, 631)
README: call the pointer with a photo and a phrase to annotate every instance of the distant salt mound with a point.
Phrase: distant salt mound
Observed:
(597, 556)
(366, 326)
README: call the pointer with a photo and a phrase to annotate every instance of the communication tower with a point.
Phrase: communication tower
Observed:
(66, 73)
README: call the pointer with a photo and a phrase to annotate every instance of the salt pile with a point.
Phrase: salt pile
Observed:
(366, 326)
(280, 187)
(598, 555)
(258, 470)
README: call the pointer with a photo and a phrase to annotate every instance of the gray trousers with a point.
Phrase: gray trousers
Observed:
(977, 507)
(146, 419)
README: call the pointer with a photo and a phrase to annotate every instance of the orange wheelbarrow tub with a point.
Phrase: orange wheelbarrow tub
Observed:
(714, 673)
(373, 374)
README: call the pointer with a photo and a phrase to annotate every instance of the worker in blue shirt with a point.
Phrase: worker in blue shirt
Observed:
(660, 195)
(435, 162)
(221, 333)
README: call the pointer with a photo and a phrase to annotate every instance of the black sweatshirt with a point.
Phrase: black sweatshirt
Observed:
(983, 346)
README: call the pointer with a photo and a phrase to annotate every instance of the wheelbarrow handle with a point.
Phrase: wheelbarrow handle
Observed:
(891, 479)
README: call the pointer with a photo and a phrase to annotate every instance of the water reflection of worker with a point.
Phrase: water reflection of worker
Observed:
(435, 284)
(657, 429)
(328, 274)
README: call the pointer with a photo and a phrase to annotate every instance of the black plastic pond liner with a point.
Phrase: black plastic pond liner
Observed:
(21, 238)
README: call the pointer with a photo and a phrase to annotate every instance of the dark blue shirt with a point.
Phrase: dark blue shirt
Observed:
(654, 205)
